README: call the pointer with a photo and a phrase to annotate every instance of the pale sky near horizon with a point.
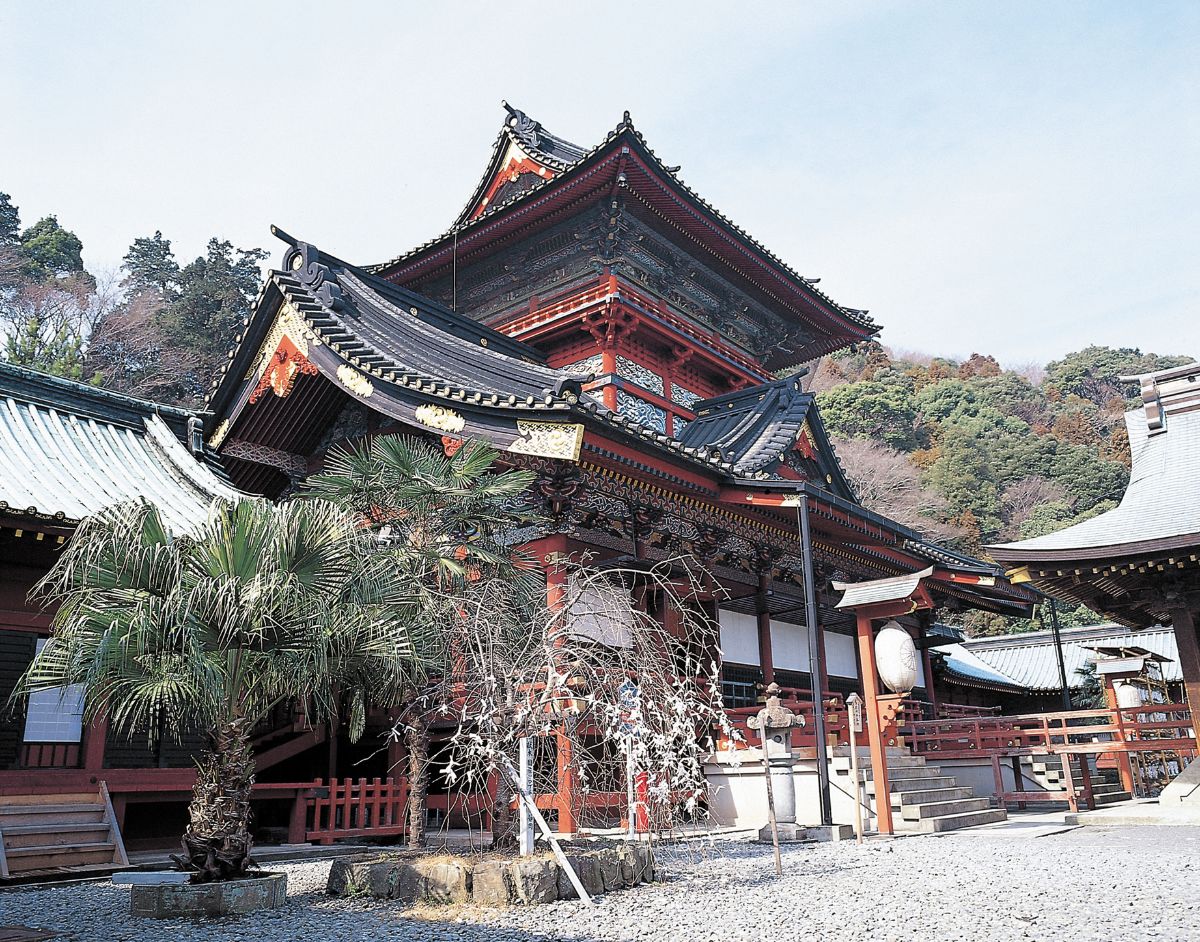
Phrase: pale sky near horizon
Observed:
(1018, 178)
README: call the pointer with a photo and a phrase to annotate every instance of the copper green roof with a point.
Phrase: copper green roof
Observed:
(68, 450)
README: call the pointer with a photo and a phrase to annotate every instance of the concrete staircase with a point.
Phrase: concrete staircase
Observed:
(57, 834)
(923, 800)
(1047, 772)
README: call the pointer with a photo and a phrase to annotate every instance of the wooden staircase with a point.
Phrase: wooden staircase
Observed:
(1047, 772)
(44, 835)
(923, 800)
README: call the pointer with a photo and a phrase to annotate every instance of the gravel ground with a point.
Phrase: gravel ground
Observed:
(965, 886)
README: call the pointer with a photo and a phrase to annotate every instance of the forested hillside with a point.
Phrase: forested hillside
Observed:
(971, 453)
(158, 328)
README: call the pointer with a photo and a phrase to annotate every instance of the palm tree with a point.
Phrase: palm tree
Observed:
(448, 520)
(263, 604)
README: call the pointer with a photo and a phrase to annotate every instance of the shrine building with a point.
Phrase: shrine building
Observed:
(601, 325)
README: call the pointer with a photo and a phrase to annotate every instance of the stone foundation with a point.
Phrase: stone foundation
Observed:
(235, 897)
(524, 881)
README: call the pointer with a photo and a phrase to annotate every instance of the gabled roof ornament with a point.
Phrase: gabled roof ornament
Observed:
(1176, 389)
(304, 262)
(526, 129)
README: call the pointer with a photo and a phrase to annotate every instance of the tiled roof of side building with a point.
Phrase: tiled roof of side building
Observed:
(966, 669)
(68, 450)
(1160, 509)
(1029, 659)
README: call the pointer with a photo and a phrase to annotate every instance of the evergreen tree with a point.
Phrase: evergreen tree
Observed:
(50, 251)
(150, 264)
(10, 222)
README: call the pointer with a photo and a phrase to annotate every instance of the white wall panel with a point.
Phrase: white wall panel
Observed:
(789, 646)
(839, 656)
(739, 638)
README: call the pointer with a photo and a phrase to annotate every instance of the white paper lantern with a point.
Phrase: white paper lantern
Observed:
(896, 658)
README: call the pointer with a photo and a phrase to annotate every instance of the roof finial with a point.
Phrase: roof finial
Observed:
(627, 120)
(522, 126)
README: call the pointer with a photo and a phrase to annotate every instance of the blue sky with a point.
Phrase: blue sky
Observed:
(1013, 178)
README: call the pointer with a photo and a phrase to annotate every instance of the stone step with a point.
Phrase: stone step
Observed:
(1111, 798)
(915, 784)
(955, 822)
(904, 771)
(865, 751)
(899, 800)
(941, 809)
(842, 763)
(24, 859)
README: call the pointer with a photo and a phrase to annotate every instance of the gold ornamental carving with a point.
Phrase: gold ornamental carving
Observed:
(548, 440)
(353, 380)
(439, 417)
(287, 324)
(219, 434)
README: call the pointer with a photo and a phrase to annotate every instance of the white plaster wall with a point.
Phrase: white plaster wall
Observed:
(738, 795)
(739, 638)
(840, 660)
(789, 646)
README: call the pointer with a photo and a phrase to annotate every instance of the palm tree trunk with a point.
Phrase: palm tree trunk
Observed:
(217, 842)
(416, 738)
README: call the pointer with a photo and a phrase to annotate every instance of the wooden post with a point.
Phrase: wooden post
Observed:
(1124, 764)
(1189, 660)
(297, 823)
(1018, 779)
(763, 617)
(94, 738)
(1069, 778)
(566, 774)
(870, 679)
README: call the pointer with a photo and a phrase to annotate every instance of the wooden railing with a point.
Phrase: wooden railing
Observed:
(797, 700)
(362, 808)
(50, 755)
(1155, 726)
(1119, 733)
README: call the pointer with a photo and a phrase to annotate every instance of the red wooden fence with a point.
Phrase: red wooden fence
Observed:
(362, 808)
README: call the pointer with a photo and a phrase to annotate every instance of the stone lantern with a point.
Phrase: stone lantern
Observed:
(775, 723)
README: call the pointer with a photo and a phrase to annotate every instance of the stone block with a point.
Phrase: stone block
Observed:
(443, 881)
(150, 877)
(234, 897)
(643, 856)
(610, 869)
(630, 866)
(588, 871)
(491, 883)
(534, 881)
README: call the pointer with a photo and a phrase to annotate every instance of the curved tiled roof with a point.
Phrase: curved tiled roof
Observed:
(1161, 505)
(1029, 659)
(755, 427)
(68, 450)
(625, 131)
(963, 667)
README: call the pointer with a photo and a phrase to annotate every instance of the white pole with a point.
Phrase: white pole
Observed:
(630, 800)
(529, 803)
(855, 715)
(525, 786)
